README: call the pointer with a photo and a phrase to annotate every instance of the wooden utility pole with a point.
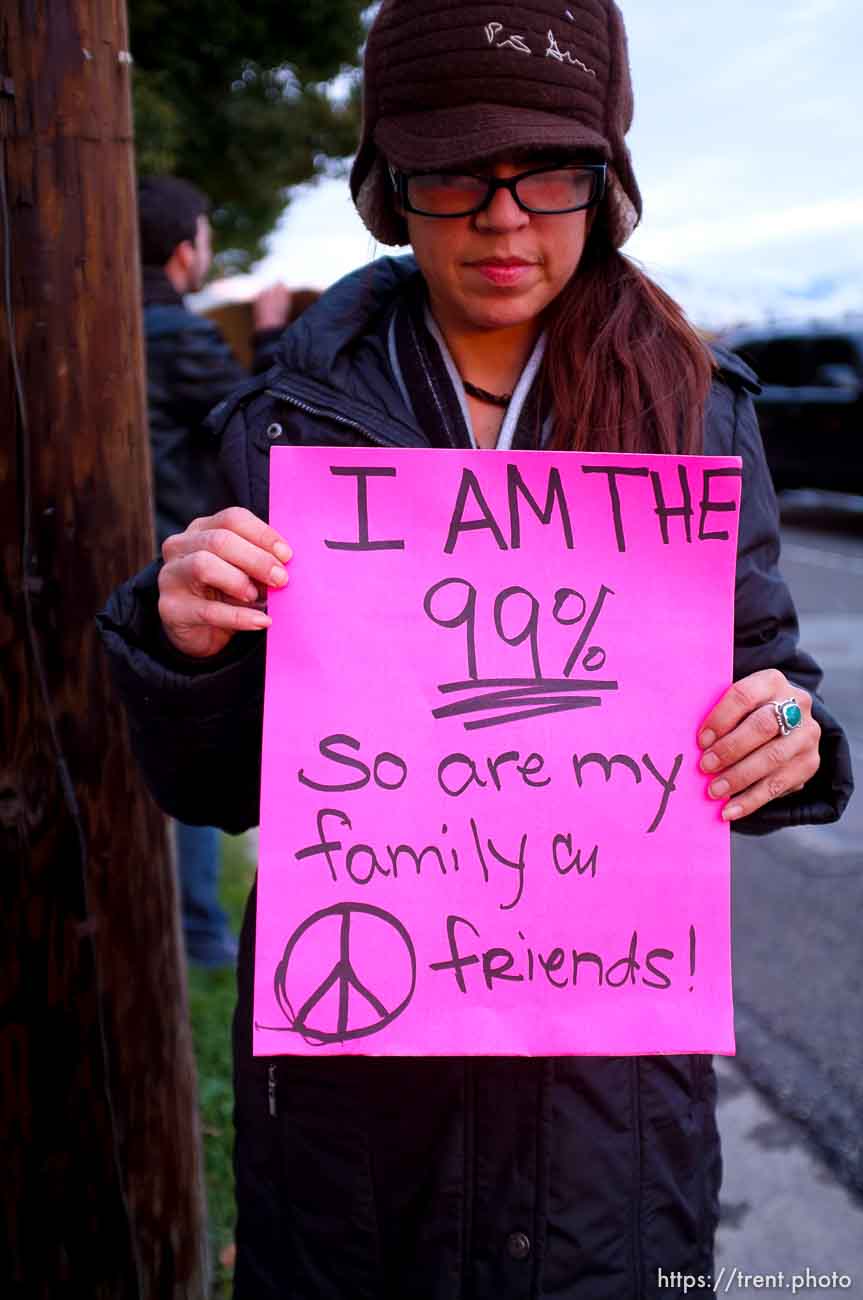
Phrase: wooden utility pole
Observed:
(101, 1188)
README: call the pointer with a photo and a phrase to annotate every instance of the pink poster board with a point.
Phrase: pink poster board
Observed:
(483, 826)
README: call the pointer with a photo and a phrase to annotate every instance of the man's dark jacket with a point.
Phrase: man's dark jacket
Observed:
(190, 369)
(443, 1179)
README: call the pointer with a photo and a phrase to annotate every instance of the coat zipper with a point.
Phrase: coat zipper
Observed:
(331, 415)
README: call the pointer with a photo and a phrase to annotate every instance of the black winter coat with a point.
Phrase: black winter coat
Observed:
(443, 1179)
(190, 368)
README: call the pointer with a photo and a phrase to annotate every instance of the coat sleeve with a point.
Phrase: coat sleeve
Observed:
(203, 371)
(766, 636)
(195, 729)
(195, 725)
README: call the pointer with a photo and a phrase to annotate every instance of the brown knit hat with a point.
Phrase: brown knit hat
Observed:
(449, 82)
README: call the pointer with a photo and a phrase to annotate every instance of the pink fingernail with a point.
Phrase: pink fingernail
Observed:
(706, 739)
(709, 763)
(732, 811)
(282, 552)
(719, 788)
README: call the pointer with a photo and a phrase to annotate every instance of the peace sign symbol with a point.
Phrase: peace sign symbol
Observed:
(381, 932)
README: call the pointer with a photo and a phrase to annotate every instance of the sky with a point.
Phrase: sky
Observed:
(748, 148)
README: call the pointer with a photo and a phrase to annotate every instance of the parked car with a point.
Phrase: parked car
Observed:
(811, 406)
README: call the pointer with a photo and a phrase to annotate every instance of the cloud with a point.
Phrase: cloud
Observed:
(681, 243)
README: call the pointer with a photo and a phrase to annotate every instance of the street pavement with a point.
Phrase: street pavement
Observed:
(785, 1216)
(791, 1103)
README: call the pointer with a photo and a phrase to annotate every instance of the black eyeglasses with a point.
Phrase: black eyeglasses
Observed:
(542, 190)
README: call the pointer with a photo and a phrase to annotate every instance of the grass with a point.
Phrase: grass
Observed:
(212, 994)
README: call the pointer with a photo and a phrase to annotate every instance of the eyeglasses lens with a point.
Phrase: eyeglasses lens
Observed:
(448, 194)
(445, 194)
(556, 191)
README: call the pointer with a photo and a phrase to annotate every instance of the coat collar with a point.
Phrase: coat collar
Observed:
(334, 357)
(157, 288)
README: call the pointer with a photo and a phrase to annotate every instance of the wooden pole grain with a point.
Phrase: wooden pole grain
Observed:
(101, 1194)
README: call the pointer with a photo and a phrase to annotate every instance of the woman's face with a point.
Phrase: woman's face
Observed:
(501, 267)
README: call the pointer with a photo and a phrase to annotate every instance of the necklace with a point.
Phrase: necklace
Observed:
(483, 395)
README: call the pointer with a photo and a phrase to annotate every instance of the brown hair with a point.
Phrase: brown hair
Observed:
(625, 369)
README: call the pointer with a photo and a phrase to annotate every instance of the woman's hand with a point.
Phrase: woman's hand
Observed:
(748, 758)
(213, 577)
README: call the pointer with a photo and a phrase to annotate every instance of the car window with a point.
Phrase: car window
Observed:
(780, 361)
(807, 361)
(834, 352)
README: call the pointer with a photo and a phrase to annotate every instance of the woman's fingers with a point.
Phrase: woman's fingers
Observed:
(236, 519)
(779, 766)
(204, 573)
(748, 759)
(199, 612)
(227, 562)
(740, 700)
(258, 562)
(213, 576)
(783, 780)
(759, 729)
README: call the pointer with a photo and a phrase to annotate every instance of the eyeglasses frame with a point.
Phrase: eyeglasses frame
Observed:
(400, 180)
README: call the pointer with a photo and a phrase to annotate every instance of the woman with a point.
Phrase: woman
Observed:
(493, 141)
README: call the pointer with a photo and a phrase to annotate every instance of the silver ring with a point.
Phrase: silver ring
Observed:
(788, 715)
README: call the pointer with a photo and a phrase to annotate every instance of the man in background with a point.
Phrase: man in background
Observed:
(190, 368)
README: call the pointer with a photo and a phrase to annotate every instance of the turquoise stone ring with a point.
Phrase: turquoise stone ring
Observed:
(788, 715)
